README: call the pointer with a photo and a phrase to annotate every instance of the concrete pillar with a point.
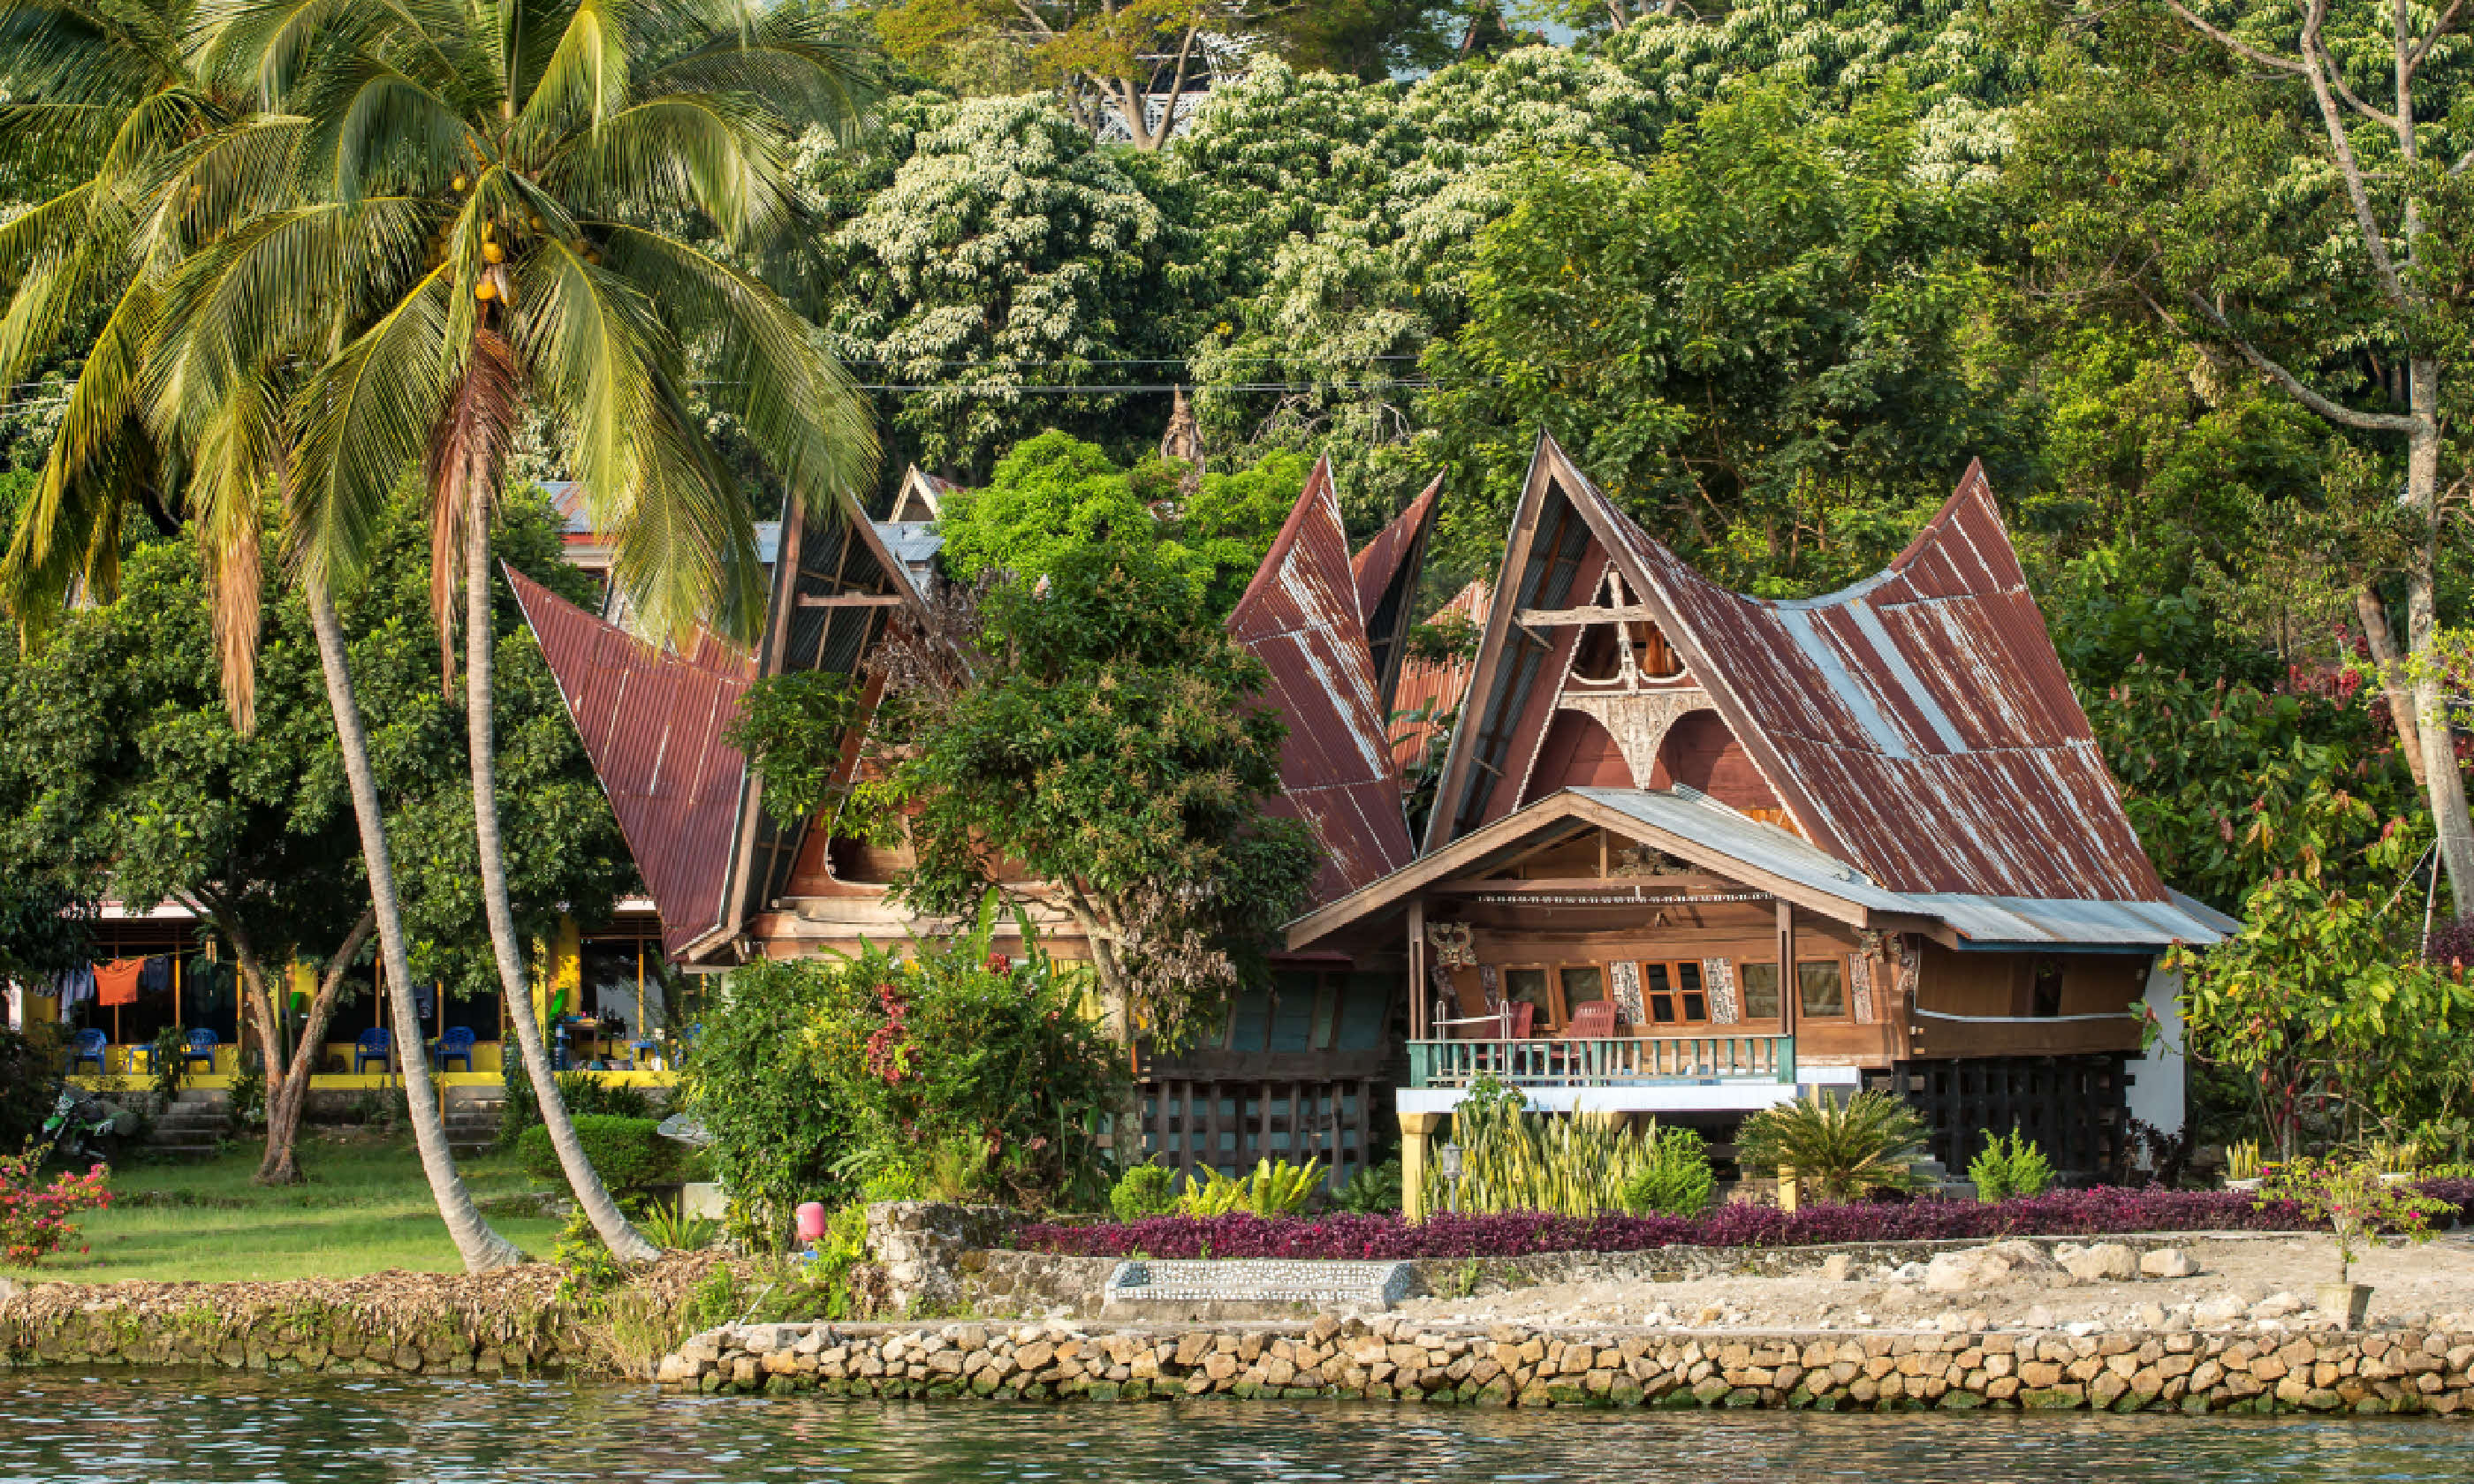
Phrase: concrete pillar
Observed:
(1418, 1130)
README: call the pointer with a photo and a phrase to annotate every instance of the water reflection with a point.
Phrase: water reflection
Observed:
(221, 1430)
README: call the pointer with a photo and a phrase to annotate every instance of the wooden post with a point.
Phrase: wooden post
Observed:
(1419, 1029)
(1789, 992)
(1417, 1131)
(176, 994)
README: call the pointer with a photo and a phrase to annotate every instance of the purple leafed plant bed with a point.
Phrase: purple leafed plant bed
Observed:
(2105, 1211)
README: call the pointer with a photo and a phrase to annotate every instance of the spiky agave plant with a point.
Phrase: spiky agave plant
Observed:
(1844, 1151)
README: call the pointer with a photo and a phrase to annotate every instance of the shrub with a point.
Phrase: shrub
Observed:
(34, 1216)
(1268, 1190)
(1512, 1160)
(1144, 1191)
(581, 1091)
(1844, 1151)
(2105, 1211)
(2001, 1172)
(962, 1067)
(626, 1152)
(29, 1065)
(2354, 1203)
(1675, 1179)
(1372, 1190)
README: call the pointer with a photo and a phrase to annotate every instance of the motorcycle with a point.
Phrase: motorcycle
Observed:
(85, 1129)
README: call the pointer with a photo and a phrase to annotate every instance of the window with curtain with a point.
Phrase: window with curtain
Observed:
(1760, 985)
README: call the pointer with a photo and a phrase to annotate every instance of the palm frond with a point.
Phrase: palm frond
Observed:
(237, 462)
(364, 422)
(720, 155)
(804, 66)
(771, 369)
(584, 82)
(69, 529)
(467, 450)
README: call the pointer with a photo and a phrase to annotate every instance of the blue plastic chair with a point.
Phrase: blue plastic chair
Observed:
(202, 1048)
(89, 1046)
(456, 1046)
(374, 1045)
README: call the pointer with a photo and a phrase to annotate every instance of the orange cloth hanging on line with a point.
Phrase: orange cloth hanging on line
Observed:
(116, 983)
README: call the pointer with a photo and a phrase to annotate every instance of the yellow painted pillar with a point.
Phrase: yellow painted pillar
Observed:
(1418, 1130)
(562, 969)
(1790, 1191)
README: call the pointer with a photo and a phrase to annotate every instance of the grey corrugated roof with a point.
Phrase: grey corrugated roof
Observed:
(914, 543)
(1986, 921)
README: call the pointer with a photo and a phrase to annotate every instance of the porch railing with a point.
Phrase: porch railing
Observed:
(1629, 1061)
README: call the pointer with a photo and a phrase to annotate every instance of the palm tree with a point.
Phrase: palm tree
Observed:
(555, 151)
(163, 171)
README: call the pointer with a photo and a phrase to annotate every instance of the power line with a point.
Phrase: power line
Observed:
(987, 387)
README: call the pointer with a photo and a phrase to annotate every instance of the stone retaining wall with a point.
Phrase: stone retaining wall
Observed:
(1004, 1282)
(1394, 1360)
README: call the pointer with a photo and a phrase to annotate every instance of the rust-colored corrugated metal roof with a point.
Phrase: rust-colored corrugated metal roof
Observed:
(1434, 686)
(1299, 616)
(1918, 724)
(651, 721)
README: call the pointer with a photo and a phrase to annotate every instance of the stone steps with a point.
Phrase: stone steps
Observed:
(195, 1122)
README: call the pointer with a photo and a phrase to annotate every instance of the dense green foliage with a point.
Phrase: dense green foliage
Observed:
(2010, 1166)
(626, 1152)
(122, 763)
(1837, 1150)
(26, 1065)
(1107, 738)
(958, 1070)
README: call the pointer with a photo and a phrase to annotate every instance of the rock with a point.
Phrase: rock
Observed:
(2277, 1305)
(2103, 1262)
(1964, 1272)
(2037, 1317)
(2023, 1256)
(1910, 1272)
(2148, 1316)
(2220, 1310)
(1837, 1268)
(2167, 1262)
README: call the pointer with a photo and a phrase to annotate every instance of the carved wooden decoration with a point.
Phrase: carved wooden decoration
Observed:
(1859, 986)
(1453, 949)
(1625, 978)
(1719, 977)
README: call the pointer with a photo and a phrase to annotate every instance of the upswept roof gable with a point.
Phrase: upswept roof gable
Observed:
(1299, 616)
(1917, 724)
(1387, 569)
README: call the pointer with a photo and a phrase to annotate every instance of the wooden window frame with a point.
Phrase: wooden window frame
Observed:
(1744, 993)
(1553, 1007)
(1649, 996)
(1846, 1012)
(1563, 1006)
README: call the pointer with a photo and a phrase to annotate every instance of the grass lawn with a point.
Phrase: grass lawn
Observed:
(365, 1209)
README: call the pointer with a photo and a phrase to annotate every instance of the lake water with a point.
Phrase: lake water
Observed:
(149, 1427)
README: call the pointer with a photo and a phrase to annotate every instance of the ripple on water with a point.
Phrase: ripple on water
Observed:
(140, 1428)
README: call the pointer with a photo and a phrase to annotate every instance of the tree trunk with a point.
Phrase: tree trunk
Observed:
(285, 1102)
(2374, 615)
(2442, 782)
(482, 1247)
(622, 1239)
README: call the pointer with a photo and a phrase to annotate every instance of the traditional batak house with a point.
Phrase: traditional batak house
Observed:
(1693, 851)
(1689, 852)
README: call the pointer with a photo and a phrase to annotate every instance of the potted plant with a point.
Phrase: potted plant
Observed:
(2358, 1204)
(2241, 1165)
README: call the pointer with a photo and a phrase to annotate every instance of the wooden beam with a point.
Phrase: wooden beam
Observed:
(1567, 617)
(851, 600)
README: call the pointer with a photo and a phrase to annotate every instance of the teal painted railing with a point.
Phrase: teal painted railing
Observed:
(1546, 1062)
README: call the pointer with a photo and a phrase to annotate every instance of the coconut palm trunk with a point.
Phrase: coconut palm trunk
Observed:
(481, 1245)
(481, 733)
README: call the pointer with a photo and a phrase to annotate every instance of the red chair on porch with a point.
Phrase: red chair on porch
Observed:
(1574, 1057)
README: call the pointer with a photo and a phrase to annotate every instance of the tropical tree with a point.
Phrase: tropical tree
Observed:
(162, 164)
(2285, 187)
(497, 193)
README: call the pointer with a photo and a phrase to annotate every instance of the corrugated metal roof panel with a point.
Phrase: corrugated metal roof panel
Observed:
(1435, 686)
(652, 722)
(1921, 719)
(1299, 616)
(1985, 921)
